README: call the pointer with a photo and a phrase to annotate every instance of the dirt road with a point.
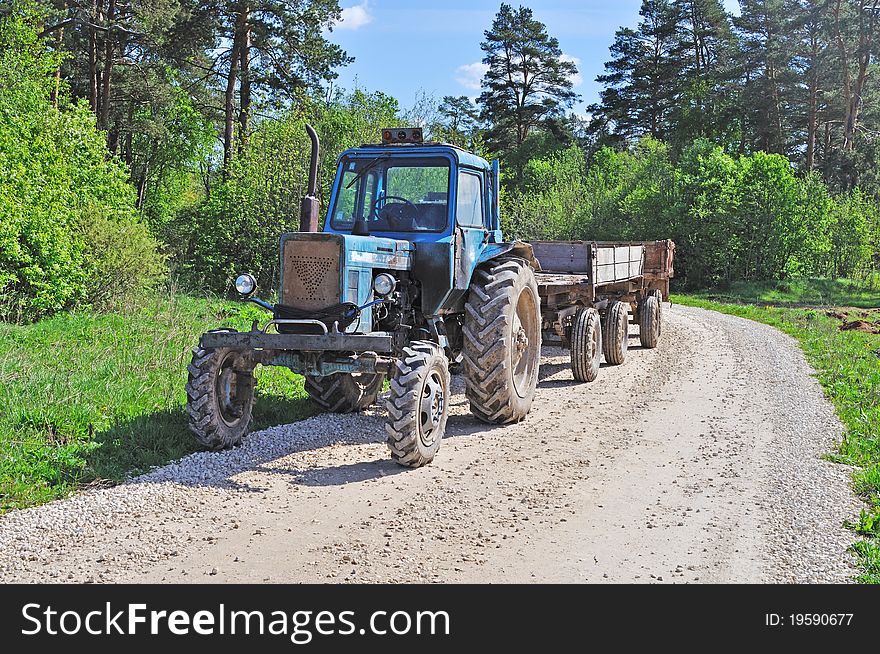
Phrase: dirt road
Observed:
(698, 461)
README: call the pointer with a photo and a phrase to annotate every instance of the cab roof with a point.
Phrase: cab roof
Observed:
(462, 157)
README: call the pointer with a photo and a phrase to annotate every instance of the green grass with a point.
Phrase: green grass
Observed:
(847, 364)
(86, 398)
(796, 292)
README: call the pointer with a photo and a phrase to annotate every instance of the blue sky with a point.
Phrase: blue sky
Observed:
(402, 47)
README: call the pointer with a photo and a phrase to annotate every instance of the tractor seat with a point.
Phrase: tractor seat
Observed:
(432, 217)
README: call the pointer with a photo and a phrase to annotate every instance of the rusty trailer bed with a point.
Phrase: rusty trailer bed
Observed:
(587, 270)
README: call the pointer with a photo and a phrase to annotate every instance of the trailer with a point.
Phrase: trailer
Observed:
(591, 291)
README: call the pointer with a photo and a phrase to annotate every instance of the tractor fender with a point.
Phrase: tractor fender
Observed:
(518, 249)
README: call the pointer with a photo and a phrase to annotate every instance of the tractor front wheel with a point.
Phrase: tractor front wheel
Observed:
(220, 396)
(418, 404)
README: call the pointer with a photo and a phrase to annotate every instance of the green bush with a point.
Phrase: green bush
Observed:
(123, 261)
(67, 213)
(746, 217)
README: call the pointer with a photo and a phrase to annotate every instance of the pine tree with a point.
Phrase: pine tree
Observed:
(459, 119)
(528, 81)
(706, 104)
(813, 64)
(766, 54)
(278, 48)
(641, 79)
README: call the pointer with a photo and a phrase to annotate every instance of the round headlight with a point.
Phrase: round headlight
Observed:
(384, 284)
(245, 284)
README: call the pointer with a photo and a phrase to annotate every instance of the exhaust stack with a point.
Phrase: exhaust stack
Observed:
(310, 208)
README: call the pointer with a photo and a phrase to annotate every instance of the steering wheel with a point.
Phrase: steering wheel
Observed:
(397, 213)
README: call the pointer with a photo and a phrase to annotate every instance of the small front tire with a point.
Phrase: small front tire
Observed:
(418, 404)
(220, 396)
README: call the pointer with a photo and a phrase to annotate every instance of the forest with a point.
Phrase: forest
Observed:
(154, 143)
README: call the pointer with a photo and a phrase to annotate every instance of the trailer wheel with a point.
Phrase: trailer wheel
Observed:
(649, 321)
(502, 341)
(586, 344)
(219, 396)
(616, 333)
(418, 404)
(344, 392)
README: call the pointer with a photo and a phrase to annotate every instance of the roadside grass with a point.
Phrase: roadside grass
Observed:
(847, 364)
(88, 398)
(796, 292)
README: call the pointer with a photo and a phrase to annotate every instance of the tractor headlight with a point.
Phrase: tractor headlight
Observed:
(245, 284)
(384, 284)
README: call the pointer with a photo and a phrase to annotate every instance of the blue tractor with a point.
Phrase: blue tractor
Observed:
(411, 275)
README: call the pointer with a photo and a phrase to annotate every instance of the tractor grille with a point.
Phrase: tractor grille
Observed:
(311, 274)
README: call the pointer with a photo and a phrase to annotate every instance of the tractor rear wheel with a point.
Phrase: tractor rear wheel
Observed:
(418, 404)
(502, 341)
(650, 320)
(220, 396)
(586, 344)
(616, 333)
(344, 392)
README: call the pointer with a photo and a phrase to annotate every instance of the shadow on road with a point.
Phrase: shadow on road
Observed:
(340, 475)
(166, 434)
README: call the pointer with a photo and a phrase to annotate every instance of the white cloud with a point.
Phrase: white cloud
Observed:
(576, 79)
(470, 75)
(353, 18)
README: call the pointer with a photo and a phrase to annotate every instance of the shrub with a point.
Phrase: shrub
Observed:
(64, 204)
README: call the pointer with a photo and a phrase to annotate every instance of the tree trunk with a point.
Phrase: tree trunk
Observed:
(107, 69)
(59, 40)
(812, 109)
(142, 187)
(127, 147)
(229, 104)
(826, 141)
(93, 59)
(245, 91)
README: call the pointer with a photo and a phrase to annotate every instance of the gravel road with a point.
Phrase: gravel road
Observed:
(698, 461)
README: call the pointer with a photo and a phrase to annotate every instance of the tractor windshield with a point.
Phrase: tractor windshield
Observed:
(393, 194)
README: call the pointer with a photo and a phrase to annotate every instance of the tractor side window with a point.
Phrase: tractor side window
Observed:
(469, 206)
(347, 200)
(370, 192)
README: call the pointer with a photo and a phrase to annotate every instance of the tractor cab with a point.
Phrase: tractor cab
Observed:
(409, 190)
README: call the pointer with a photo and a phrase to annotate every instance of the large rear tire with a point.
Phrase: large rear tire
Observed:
(616, 333)
(220, 396)
(586, 344)
(650, 321)
(344, 392)
(502, 341)
(418, 404)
